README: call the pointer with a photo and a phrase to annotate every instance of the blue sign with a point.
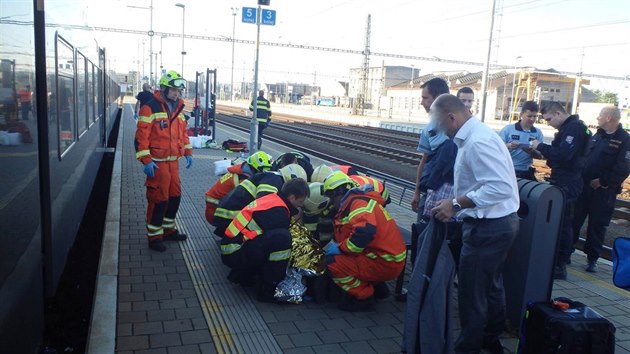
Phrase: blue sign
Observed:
(268, 17)
(249, 15)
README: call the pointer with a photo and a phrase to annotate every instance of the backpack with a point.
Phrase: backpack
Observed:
(235, 145)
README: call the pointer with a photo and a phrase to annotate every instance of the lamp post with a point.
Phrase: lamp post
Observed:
(183, 27)
(512, 103)
(410, 94)
(234, 10)
(150, 33)
(161, 57)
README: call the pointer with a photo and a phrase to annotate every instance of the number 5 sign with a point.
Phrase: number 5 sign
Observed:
(268, 16)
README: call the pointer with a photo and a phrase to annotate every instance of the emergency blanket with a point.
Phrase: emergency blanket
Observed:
(307, 259)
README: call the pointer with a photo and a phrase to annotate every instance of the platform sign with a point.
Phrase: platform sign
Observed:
(249, 15)
(268, 17)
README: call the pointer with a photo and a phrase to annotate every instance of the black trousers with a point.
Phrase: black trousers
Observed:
(267, 254)
(481, 296)
(566, 245)
(261, 128)
(598, 205)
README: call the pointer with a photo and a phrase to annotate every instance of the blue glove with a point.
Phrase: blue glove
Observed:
(332, 249)
(149, 169)
(188, 161)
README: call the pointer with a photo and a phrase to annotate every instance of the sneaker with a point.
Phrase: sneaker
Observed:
(352, 304)
(175, 236)
(592, 267)
(492, 346)
(381, 291)
(157, 245)
(560, 272)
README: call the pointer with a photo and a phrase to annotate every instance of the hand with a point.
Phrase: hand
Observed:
(188, 161)
(414, 201)
(444, 210)
(149, 169)
(595, 183)
(511, 146)
(332, 249)
(534, 143)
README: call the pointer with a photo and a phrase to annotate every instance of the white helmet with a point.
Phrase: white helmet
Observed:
(320, 173)
(292, 171)
(316, 202)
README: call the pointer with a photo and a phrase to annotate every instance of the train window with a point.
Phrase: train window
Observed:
(91, 100)
(81, 94)
(64, 62)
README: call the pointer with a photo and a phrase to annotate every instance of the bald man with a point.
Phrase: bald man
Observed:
(607, 166)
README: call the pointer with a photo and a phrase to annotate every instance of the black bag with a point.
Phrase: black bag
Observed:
(234, 145)
(578, 329)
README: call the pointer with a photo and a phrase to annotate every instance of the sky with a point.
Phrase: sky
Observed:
(592, 36)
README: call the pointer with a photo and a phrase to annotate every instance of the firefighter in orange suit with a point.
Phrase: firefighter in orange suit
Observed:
(367, 249)
(257, 162)
(377, 185)
(161, 140)
(258, 239)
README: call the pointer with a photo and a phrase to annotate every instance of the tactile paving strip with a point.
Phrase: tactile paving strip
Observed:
(233, 320)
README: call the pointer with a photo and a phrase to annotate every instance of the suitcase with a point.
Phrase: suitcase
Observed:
(621, 263)
(577, 329)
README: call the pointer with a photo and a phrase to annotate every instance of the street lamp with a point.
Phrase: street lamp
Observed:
(183, 27)
(161, 58)
(234, 10)
(150, 33)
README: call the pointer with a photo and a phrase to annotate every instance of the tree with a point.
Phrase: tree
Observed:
(606, 97)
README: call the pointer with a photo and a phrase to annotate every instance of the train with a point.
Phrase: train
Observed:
(58, 107)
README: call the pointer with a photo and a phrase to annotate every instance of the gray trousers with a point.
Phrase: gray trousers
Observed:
(481, 297)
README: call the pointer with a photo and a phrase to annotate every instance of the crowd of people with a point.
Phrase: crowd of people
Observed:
(466, 179)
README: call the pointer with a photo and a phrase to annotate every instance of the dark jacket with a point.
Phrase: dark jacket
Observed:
(567, 153)
(263, 109)
(608, 159)
(443, 165)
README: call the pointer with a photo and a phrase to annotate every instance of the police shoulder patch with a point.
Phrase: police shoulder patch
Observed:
(569, 139)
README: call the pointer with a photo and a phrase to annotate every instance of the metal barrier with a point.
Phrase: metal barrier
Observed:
(528, 272)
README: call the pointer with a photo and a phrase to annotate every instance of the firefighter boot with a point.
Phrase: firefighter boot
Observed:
(157, 245)
(351, 304)
(381, 291)
(175, 236)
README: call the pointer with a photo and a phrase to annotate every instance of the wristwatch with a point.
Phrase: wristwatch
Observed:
(456, 205)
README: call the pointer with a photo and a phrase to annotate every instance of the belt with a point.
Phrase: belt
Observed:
(471, 220)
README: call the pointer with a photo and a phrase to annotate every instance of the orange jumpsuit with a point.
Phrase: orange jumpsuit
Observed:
(161, 137)
(223, 186)
(372, 249)
(378, 186)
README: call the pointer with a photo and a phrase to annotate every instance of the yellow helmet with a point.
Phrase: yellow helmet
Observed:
(320, 173)
(260, 161)
(173, 79)
(291, 171)
(316, 201)
(337, 179)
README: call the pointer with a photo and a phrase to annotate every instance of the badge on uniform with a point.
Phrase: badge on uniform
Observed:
(163, 124)
(569, 139)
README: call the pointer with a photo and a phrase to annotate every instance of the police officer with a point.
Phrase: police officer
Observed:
(607, 166)
(263, 114)
(566, 157)
(517, 137)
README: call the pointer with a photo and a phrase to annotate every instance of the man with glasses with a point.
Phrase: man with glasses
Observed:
(160, 141)
(566, 156)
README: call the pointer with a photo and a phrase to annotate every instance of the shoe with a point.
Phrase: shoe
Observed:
(157, 245)
(352, 304)
(560, 272)
(175, 236)
(592, 267)
(492, 346)
(381, 291)
(266, 293)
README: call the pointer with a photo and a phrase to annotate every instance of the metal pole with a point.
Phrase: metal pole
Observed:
(484, 79)
(183, 28)
(514, 103)
(213, 111)
(161, 57)
(234, 9)
(576, 90)
(410, 94)
(196, 107)
(253, 125)
(151, 78)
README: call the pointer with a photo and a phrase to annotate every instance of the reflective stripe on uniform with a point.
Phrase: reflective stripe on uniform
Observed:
(170, 158)
(389, 257)
(230, 248)
(145, 119)
(366, 209)
(347, 287)
(188, 146)
(386, 214)
(142, 153)
(236, 180)
(225, 213)
(249, 187)
(343, 280)
(212, 200)
(266, 188)
(352, 247)
(153, 230)
(280, 255)
(168, 223)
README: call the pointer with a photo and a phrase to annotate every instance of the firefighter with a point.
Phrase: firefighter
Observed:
(367, 249)
(160, 141)
(263, 114)
(257, 162)
(348, 170)
(259, 185)
(377, 186)
(294, 157)
(320, 173)
(258, 239)
(316, 212)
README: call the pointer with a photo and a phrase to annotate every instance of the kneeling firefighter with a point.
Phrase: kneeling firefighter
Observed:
(368, 248)
(258, 241)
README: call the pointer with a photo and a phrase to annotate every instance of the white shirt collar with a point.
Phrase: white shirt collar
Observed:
(464, 132)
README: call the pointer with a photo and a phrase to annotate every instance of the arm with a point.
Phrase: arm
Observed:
(568, 147)
(620, 169)
(444, 163)
(363, 231)
(137, 106)
(143, 133)
(269, 108)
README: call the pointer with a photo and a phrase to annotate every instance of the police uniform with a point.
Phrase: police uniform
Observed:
(608, 160)
(566, 156)
(263, 115)
(521, 159)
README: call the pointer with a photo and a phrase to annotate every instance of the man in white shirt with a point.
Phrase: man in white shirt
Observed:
(486, 198)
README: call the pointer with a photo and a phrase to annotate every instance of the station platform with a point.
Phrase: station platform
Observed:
(180, 301)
